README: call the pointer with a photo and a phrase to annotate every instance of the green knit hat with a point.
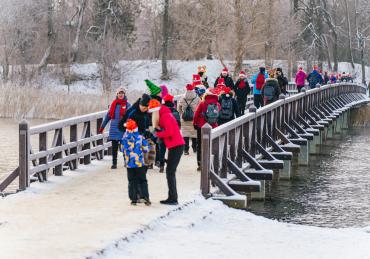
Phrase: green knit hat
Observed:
(153, 89)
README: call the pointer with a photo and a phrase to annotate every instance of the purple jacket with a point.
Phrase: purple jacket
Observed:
(300, 78)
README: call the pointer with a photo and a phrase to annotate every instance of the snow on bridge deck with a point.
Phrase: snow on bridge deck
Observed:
(84, 211)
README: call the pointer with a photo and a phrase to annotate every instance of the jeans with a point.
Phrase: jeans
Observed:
(174, 156)
(137, 183)
(199, 145)
(258, 100)
(115, 146)
(193, 143)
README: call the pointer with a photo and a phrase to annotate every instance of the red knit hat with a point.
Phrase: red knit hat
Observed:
(168, 98)
(242, 73)
(225, 70)
(190, 87)
(196, 78)
(226, 90)
(131, 125)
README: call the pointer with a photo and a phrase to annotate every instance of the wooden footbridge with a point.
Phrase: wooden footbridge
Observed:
(240, 156)
(237, 158)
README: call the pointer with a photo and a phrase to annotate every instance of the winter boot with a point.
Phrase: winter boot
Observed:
(169, 202)
(161, 169)
(114, 166)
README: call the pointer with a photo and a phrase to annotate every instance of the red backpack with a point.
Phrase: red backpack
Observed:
(260, 81)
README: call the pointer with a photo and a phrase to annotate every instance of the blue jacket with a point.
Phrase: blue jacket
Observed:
(114, 132)
(253, 81)
(133, 147)
(314, 78)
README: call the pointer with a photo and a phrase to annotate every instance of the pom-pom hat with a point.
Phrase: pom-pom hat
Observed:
(131, 125)
(154, 105)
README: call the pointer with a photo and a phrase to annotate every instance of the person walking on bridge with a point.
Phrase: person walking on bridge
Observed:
(300, 79)
(226, 79)
(314, 78)
(187, 106)
(116, 112)
(282, 80)
(271, 89)
(242, 90)
(258, 80)
(229, 107)
(206, 112)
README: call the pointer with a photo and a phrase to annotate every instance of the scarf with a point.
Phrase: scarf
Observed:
(112, 108)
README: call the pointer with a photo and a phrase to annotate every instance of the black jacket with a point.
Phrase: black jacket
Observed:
(228, 81)
(275, 84)
(283, 83)
(142, 119)
(241, 93)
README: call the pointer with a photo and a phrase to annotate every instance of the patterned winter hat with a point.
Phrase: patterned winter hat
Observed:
(120, 89)
(220, 82)
(154, 105)
(196, 78)
(153, 89)
(131, 125)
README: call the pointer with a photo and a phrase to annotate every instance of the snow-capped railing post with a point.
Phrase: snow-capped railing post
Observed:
(24, 136)
(205, 159)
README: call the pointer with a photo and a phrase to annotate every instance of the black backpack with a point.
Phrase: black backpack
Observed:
(212, 113)
(269, 91)
(176, 114)
(227, 111)
(188, 114)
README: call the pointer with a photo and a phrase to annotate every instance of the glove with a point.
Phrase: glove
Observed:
(101, 130)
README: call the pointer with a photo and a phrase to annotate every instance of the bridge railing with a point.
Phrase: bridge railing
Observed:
(74, 142)
(241, 141)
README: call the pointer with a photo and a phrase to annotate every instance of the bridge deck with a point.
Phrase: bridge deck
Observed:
(84, 212)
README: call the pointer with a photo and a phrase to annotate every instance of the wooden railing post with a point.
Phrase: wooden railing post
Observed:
(206, 159)
(58, 170)
(73, 138)
(43, 145)
(24, 179)
(252, 141)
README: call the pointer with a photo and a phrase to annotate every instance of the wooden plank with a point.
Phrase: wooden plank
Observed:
(24, 179)
(9, 179)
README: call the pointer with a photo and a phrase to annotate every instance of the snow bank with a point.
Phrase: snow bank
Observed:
(209, 229)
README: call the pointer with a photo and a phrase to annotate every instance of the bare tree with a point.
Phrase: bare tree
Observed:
(165, 37)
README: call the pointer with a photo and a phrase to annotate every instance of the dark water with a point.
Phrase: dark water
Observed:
(333, 191)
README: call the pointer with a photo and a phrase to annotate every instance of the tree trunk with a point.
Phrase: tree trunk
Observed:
(165, 34)
(349, 34)
(51, 38)
(239, 38)
(75, 45)
(209, 50)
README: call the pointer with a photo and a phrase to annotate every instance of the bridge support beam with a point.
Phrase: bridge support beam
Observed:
(303, 155)
(286, 172)
(261, 194)
(314, 144)
(345, 119)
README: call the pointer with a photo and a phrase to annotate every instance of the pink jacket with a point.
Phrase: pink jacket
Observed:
(170, 132)
(300, 78)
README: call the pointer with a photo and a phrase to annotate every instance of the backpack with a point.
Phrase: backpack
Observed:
(188, 114)
(176, 114)
(260, 80)
(212, 113)
(269, 91)
(227, 111)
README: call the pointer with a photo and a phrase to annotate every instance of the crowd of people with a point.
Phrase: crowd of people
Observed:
(157, 124)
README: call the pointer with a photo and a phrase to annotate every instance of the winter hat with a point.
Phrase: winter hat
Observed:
(272, 73)
(315, 67)
(131, 125)
(144, 100)
(300, 68)
(189, 87)
(242, 73)
(262, 70)
(213, 91)
(164, 90)
(168, 98)
(120, 89)
(153, 89)
(154, 105)
(196, 78)
(279, 69)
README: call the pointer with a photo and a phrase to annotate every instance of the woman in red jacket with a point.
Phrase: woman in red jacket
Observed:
(200, 119)
(169, 132)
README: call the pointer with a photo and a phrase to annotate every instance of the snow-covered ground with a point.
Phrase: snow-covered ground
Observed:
(133, 73)
(209, 229)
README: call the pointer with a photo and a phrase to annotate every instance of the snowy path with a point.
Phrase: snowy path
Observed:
(209, 229)
(78, 214)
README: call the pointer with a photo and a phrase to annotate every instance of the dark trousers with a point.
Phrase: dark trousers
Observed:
(137, 183)
(241, 104)
(193, 143)
(115, 146)
(258, 100)
(199, 145)
(161, 152)
(299, 88)
(173, 160)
